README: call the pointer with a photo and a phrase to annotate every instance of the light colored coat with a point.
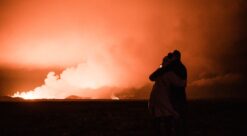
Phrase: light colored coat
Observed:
(159, 102)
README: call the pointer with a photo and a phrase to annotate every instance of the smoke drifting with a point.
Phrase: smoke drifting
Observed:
(113, 45)
(86, 80)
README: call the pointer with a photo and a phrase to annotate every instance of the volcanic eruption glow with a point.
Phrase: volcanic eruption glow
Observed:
(26, 95)
(85, 80)
(109, 46)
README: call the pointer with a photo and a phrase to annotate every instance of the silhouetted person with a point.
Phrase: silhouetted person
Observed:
(178, 94)
(161, 105)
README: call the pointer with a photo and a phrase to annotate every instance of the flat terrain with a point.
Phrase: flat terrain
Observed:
(115, 118)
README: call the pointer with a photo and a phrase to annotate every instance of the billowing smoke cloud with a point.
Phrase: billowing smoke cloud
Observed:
(108, 44)
(87, 80)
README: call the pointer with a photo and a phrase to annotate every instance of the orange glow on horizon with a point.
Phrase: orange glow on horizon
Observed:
(113, 44)
(26, 95)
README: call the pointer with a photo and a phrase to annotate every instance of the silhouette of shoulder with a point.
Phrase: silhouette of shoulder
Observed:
(175, 80)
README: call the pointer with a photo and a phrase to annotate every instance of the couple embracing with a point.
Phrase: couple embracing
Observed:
(167, 103)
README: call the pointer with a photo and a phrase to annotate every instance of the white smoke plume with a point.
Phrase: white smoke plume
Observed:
(91, 79)
(86, 80)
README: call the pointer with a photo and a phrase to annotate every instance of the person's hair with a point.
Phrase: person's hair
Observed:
(168, 57)
(177, 54)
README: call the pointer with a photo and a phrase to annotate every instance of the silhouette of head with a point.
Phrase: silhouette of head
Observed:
(167, 59)
(176, 55)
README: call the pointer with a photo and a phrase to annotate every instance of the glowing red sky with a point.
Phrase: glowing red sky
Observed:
(127, 38)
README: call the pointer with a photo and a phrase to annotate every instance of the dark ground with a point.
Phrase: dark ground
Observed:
(115, 118)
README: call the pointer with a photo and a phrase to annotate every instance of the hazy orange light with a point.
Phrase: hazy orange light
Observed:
(85, 80)
(122, 40)
(26, 95)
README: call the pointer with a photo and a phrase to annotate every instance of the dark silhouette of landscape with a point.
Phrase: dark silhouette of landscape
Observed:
(108, 117)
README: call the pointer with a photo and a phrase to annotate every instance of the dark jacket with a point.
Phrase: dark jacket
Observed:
(178, 93)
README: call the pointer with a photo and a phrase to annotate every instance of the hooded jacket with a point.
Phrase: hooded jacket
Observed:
(160, 103)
